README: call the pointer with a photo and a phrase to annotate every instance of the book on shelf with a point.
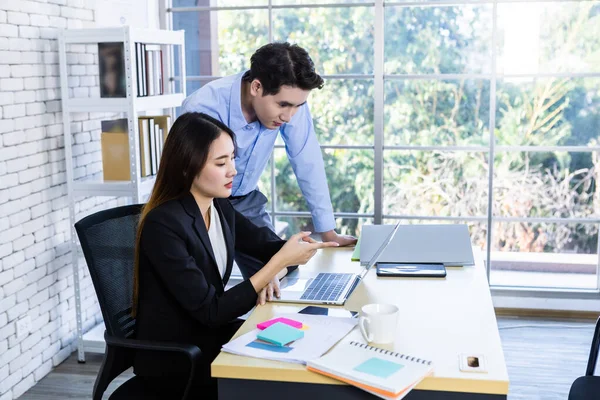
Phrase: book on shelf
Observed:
(140, 69)
(115, 150)
(149, 69)
(152, 130)
(158, 127)
(111, 66)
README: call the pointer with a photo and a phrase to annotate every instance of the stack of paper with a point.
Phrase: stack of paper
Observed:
(318, 334)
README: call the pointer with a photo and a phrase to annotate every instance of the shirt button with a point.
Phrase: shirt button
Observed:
(248, 127)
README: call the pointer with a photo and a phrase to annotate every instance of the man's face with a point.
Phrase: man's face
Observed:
(274, 110)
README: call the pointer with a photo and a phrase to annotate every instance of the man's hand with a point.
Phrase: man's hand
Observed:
(342, 240)
(267, 293)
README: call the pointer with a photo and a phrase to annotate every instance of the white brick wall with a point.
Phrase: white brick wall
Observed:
(36, 275)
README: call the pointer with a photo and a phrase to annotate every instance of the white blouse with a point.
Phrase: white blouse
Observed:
(217, 240)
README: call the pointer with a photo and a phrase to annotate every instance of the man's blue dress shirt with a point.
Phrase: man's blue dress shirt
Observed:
(221, 99)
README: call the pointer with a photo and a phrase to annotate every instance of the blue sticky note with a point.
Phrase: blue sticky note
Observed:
(280, 334)
(269, 347)
(378, 367)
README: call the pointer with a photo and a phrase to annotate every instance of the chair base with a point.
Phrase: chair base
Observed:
(585, 388)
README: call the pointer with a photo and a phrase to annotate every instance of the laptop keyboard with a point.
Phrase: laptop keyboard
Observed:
(326, 286)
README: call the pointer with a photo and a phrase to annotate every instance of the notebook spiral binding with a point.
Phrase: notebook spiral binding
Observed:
(391, 353)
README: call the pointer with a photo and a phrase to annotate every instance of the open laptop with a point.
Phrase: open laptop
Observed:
(327, 287)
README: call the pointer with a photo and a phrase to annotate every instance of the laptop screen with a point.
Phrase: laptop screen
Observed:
(380, 250)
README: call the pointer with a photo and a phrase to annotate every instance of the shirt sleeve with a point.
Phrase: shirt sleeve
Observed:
(205, 100)
(305, 155)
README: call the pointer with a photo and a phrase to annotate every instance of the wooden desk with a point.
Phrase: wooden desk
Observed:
(439, 320)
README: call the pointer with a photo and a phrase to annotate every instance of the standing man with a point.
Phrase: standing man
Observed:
(256, 104)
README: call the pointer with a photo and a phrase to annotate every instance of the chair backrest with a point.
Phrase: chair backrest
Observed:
(593, 367)
(108, 244)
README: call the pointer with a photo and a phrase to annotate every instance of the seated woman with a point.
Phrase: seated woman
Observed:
(186, 239)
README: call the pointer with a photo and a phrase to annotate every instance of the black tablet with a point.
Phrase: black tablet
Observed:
(411, 270)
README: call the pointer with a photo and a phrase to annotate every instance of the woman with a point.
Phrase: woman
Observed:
(186, 239)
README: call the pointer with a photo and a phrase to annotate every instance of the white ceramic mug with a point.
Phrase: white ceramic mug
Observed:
(378, 322)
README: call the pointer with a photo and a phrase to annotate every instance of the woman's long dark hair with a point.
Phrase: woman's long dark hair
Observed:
(184, 155)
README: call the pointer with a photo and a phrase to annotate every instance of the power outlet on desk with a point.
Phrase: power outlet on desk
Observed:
(23, 326)
(472, 363)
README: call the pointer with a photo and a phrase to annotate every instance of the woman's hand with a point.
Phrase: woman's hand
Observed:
(300, 248)
(267, 293)
(296, 251)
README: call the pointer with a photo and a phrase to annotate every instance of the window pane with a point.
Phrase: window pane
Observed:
(344, 226)
(437, 113)
(548, 112)
(264, 184)
(350, 122)
(294, 225)
(432, 183)
(339, 40)
(192, 86)
(221, 43)
(548, 37)
(434, 40)
(218, 3)
(554, 184)
(349, 176)
(544, 255)
(278, 2)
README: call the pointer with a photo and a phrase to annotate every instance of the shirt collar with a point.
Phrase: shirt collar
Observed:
(236, 116)
(237, 120)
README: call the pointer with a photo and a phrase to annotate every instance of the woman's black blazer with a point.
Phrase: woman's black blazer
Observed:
(181, 293)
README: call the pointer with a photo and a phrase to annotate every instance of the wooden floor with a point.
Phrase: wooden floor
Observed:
(543, 357)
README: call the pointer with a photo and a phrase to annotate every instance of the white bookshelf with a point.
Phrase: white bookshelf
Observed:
(137, 188)
(95, 186)
(118, 105)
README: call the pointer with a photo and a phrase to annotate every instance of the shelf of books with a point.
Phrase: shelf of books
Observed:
(122, 77)
(116, 34)
(120, 105)
(97, 186)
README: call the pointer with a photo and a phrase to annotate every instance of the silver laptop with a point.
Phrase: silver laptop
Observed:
(326, 287)
(448, 244)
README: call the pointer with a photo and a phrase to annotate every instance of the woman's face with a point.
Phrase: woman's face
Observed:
(216, 178)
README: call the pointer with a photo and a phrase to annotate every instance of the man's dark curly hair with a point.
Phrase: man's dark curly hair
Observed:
(283, 64)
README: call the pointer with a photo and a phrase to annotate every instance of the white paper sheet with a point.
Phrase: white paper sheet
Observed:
(322, 334)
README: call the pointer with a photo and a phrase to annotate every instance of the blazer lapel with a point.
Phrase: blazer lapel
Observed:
(228, 235)
(191, 207)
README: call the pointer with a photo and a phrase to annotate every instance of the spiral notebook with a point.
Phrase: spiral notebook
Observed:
(381, 372)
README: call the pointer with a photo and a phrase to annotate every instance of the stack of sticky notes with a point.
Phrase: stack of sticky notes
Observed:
(287, 321)
(280, 334)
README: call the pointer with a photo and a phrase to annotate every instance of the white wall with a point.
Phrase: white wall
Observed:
(138, 13)
(36, 280)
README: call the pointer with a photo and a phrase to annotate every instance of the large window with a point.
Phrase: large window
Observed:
(485, 113)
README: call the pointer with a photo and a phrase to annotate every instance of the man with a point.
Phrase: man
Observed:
(256, 104)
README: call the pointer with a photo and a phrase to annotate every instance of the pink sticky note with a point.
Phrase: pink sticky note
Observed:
(287, 321)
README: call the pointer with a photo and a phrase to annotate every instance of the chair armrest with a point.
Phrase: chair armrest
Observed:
(192, 351)
(594, 350)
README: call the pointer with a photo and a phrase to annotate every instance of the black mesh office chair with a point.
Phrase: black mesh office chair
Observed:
(588, 387)
(108, 242)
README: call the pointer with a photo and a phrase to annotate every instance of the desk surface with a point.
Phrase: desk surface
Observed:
(439, 320)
